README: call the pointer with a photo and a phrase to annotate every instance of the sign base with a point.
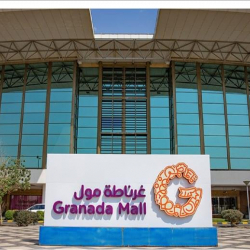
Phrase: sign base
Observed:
(124, 237)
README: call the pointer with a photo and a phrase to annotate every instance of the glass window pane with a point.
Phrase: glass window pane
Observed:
(188, 129)
(240, 163)
(213, 119)
(239, 153)
(216, 151)
(190, 108)
(8, 108)
(189, 150)
(32, 140)
(8, 140)
(187, 118)
(160, 144)
(215, 140)
(214, 130)
(189, 140)
(160, 133)
(10, 118)
(236, 141)
(217, 163)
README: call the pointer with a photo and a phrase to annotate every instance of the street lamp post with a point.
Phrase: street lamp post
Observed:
(246, 183)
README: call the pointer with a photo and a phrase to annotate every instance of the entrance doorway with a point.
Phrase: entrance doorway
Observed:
(223, 203)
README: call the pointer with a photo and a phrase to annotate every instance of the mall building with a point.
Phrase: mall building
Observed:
(182, 90)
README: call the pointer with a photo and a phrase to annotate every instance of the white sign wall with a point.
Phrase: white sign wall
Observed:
(118, 191)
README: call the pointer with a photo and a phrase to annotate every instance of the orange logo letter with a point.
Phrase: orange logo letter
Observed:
(193, 194)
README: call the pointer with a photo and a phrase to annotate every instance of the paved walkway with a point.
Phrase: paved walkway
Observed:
(24, 238)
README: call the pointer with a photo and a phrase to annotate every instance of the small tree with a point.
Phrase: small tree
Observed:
(13, 176)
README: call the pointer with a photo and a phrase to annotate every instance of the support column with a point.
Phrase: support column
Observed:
(123, 111)
(43, 194)
(22, 113)
(174, 108)
(248, 94)
(148, 108)
(1, 85)
(198, 72)
(73, 109)
(99, 127)
(225, 114)
(46, 124)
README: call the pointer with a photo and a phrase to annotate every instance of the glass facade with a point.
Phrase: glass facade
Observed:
(22, 202)
(188, 133)
(159, 111)
(10, 112)
(60, 108)
(124, 111)
(214, 116)
(34, 115)
(87, 111)
(189, 108)
(223, 203)
(238, 117)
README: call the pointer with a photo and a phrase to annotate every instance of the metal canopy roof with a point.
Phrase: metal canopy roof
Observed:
(16, 25)
(213, 25)
(221, 36)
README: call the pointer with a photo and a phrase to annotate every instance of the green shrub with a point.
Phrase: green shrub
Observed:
(9, 214)
(23, 218)
(233, 216)
(15, 214)
(40, 215)
(224, 212)
(34, 217)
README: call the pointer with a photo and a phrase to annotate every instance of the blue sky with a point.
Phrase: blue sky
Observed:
(132, 21)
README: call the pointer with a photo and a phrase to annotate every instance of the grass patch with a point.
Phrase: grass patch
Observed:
(245, 220)
(223, 220)
(218, 220)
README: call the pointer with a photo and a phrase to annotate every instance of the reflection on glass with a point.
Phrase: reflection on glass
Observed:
(124, 106)
(11, 109)
(159, 111)
(60, 108)
(223, 203)
(213, 116)
(87, 111)
(34, 115)
(238, 119)
(187, 108)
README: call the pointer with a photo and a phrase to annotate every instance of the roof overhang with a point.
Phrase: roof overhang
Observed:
(114, 50)
(198, 38)
(203, 25)
(45, 24)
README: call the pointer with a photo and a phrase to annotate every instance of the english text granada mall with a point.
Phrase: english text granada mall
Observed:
(183, 90)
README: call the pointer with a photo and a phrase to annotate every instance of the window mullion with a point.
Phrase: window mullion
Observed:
(22, 113)
(225, 113)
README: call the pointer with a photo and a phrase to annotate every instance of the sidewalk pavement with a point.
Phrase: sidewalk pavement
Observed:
(26, 238)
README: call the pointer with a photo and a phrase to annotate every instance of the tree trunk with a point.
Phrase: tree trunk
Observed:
(1, 217)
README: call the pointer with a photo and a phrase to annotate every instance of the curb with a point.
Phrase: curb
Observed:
(10, 221)
(228, 223)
